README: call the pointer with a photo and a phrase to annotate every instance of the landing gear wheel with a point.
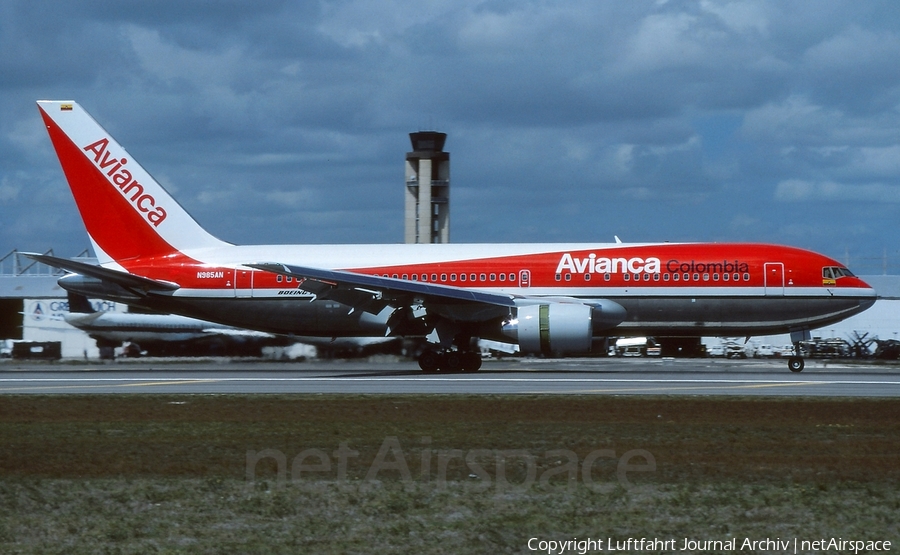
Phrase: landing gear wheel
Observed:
(453, 361)
(429, 361)
(471, 362)
(796, 364)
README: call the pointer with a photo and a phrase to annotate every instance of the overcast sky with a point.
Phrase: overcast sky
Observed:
(288, 122)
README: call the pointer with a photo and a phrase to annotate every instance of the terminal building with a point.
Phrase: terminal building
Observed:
(32, 302)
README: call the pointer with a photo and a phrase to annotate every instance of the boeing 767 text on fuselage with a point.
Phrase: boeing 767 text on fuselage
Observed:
(545, 298)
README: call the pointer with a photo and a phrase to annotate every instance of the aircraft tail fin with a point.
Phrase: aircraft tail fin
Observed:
(127, 213)
(79, 304)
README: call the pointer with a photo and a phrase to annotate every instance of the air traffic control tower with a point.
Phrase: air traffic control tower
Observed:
(427, 189)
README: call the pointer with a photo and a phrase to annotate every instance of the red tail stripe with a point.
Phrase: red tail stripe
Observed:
(110, 220)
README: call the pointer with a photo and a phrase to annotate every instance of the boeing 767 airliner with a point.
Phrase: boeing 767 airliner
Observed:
(546, 298)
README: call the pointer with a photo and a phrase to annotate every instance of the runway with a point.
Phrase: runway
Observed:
(640, 376)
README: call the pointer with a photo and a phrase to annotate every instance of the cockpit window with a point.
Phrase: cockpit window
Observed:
(834, 272)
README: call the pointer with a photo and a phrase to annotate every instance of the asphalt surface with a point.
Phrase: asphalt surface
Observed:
(639, 376)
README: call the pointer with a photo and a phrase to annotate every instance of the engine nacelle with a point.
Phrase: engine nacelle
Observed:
(563, 328)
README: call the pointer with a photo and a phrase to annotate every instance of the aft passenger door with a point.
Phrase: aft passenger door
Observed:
(243, 283)
(774, 279)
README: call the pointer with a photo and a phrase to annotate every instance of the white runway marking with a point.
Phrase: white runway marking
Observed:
(560, 377)
(174, 380)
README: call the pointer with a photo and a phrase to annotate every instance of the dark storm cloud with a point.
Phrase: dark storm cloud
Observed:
(286, 121)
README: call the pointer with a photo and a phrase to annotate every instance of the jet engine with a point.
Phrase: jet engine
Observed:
(561, 327)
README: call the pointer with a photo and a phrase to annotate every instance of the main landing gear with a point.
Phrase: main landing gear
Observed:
(449, 361)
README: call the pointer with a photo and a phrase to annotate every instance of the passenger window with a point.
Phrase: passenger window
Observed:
(746, 277)
(665, 277)
(587, 276)
(493, 277)
(471, 277)
(462, 277)
(452, 277)
(675, 277)
(433, 277)
(607, 276)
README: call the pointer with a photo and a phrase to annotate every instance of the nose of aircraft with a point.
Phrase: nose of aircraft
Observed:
(868, 294)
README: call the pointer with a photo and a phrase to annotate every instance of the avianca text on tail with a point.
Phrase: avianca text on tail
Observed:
(537, 298)
(125, 182)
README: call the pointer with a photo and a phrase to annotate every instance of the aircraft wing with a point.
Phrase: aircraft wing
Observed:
(129, 281)
(373, 293)
(237, 332)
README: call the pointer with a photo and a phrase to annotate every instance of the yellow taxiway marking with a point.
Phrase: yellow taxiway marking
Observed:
(79, 386)
(690, 388)
(176, 382)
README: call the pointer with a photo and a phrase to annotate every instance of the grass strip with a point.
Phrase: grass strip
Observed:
(436, 474)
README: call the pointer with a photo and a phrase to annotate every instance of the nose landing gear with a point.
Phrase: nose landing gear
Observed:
(795, 363)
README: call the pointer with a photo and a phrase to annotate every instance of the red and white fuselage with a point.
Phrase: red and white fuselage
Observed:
(545, 297)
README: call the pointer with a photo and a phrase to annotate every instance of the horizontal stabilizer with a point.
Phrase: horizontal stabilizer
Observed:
(129, 281)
